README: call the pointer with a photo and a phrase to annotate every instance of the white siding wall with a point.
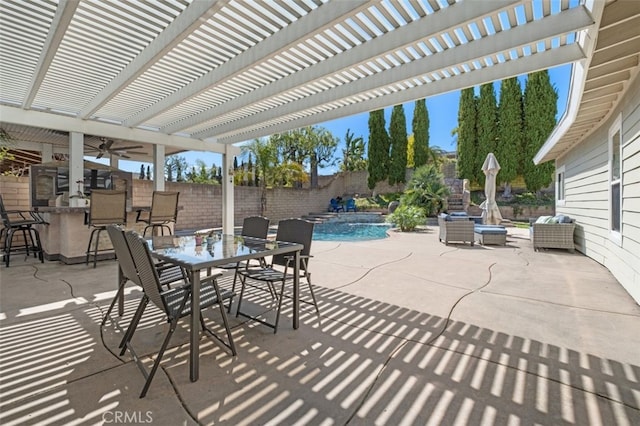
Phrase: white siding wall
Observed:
(587, 194)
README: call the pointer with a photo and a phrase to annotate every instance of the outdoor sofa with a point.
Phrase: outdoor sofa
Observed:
(553, 232)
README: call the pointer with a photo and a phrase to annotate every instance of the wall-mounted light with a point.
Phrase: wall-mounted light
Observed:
(230, 174)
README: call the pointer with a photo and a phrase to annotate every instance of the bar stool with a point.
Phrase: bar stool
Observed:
(164, 210)
(108, 207)
(23, 221)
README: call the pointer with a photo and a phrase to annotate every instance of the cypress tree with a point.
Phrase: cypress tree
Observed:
(487, 128)
(467, 142)
(509, 149)
(420, 127)
(398, 136)
(141, 176)
(540, 109)
(378, 154)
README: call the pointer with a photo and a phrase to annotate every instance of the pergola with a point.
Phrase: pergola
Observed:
(177, 75)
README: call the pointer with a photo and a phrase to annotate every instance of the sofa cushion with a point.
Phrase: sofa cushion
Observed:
(489, 229)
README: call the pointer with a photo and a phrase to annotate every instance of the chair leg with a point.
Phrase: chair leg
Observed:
(133, 325)
(113, 302)
(275, 328)
(243, 281)
(8, 243)
(86, 260)
(156, 364)
(313, 296)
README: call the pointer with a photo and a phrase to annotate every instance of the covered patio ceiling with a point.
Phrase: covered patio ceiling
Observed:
(196, 75)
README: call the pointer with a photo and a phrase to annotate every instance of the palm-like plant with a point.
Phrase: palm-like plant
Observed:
(265, 156)
(426, 190)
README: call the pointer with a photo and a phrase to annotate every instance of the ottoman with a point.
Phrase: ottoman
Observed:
(490, 234)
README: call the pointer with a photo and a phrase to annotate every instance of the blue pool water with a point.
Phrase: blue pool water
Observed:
(342, 231)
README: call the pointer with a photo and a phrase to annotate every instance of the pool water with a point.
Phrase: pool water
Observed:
(343, 231)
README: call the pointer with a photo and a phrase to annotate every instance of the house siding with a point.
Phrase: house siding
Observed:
(587, 194)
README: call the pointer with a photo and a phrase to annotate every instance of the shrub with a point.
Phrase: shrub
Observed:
(426, 190)
(407, 218)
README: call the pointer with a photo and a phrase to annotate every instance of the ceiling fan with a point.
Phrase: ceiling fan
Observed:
(107, 147)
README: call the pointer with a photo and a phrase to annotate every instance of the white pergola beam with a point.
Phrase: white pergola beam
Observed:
(178, 30)
(304, 27)
(47, 120)
(448, 19)
(61, 20)
(537, 62)
(574, 20)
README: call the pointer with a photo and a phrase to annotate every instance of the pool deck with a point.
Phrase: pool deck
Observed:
(411, 332)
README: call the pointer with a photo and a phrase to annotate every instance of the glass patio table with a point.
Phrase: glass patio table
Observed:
(216, 251)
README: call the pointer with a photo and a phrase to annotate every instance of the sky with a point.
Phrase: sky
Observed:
(443, 117)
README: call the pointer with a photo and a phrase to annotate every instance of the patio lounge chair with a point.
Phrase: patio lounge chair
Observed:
(164, 210)
(350, 205)
(280, 270)
(175, 304)
(22, 221)
(460, 229)
(335, 206)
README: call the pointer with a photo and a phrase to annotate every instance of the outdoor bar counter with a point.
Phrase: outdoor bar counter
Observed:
(66, 236)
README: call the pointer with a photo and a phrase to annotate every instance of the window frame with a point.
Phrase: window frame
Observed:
(561, 185)
(615, 235)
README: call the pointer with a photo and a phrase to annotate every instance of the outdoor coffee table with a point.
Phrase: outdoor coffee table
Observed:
(219, 250)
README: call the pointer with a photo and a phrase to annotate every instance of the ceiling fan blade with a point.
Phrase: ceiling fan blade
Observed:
(100, 154)
(95, 148)
(108, 144)
(119, 154)
(125, 148)
(136, 153)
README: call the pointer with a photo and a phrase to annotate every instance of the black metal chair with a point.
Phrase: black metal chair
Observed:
(164, 210)
(22, 221)
(108, 207)
(281, 268)
(167, 273)
(175, 303)
(255, 227)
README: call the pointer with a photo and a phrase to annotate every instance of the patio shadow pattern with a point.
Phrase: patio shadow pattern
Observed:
(369, 362)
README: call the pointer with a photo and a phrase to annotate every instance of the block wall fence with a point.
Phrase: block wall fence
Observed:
(200, 206)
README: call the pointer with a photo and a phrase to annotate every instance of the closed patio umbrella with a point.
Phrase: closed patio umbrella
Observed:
(490, 212)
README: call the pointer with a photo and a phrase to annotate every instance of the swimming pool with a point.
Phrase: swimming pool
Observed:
(344, 231)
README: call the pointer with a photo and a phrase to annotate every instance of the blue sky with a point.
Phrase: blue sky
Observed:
(443, 117)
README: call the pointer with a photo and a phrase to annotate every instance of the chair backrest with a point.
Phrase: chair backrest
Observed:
(164, 206)
(3, 213)
(123, 254)
(108, 206)
(294, 231)
(351, 204)
(149, 280)
(255, 226)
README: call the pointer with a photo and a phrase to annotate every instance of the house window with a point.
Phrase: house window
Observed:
(615, 179)
(560, 179)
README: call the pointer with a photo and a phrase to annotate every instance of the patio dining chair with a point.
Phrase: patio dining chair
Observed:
(21, 221)
(255, 227)
(281, 269)
(108, 207)
(174, 303)
(167, 273)
(164, 210)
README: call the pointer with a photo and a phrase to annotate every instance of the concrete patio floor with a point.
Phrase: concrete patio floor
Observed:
(411, 332)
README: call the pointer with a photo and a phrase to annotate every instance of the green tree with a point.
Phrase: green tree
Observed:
(486, 127)
(312, 145)
(148, 172)
(420, 127)
(398, 136)
(141, 176)
(540, 109)
(467, 140)
(175, 164)
(509, 149)
(378, 156)
(353, 155)
(266, 158)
